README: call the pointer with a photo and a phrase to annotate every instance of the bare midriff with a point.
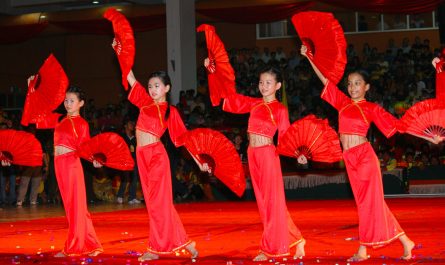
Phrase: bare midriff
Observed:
(145, 138)
(256, 140)
(61, 150)
(351, 140)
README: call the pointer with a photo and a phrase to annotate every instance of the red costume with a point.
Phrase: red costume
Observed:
(82, 239)
(377, 225)
(280, 232)
(167, 233)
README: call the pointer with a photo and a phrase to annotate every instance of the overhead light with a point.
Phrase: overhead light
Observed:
(119, 9)
(42, 16)
(95, 2)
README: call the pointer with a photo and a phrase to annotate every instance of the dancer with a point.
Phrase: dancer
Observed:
(377, 225)
(167, 233)
(69, 133)
(267, 115)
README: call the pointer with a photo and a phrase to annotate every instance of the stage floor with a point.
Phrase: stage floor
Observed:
(226, 233)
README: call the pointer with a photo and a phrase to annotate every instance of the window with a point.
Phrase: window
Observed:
(357, 22)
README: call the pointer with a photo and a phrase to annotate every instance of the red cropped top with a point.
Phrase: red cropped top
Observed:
(71, 132)
(355, 117)
(265, 117)
(151, 115)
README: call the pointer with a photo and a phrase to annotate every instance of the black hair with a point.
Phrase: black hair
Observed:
(363, 74)
(165, 79)
(276, 72)
(80, 95)
(78, 91)
(273, 71)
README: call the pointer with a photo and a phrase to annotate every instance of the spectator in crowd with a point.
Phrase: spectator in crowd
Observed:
(129, 177)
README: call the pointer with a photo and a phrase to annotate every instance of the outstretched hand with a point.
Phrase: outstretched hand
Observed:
(435, 61)
(303, 50)
(206, 62)
(302, 160)
(6, 163)
(116, 46)
(31, 78)
(204, 167)
(97, 164)
(437, 139)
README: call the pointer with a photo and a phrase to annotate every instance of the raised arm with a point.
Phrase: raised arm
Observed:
(138, 95)
(323, 79)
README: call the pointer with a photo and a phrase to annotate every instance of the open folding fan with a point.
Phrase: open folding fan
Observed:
(124, 45)
(20, 148)
(109, 149)
(45, 92)
(207, 145)
(325, 40)
(425, 119)
(313, 138)
(220, 73)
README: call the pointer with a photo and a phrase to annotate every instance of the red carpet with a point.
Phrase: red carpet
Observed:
(229, 232)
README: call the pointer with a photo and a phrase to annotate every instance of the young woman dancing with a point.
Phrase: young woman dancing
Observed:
(167, 233)
(267, 115)
(377, 225)
(69, 133)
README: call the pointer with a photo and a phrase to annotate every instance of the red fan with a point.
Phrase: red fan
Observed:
(109, 149)
(312, 138)
(123, 45)
(214, 148)
(325, 40)
(20, 148)
(425, 119)
(45, 92)
(220, 73)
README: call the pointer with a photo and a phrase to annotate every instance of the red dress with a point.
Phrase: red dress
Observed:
(82, 239)
(280, 232)
(167, 233)
(377, 225)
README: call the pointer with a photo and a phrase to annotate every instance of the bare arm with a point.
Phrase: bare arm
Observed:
(322, 78)
(203, 167)
(131, 78)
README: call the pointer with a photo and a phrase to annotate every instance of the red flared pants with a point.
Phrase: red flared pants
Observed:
(167, 233)
(377, 225)
(280, 232)
(82, 238)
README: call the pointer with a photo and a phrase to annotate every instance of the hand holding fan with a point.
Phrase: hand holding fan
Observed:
(20, 148)
(220, 73)
(108, 149)
(123, 43)
(46, 91)
(425, 119)
(321, 33)
(213, 148)
(313, 138)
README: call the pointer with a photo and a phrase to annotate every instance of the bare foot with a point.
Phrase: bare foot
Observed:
(191, 248)
(357, 258)
(407, 248)
(95, 253)
(299, 250)
(260, 257)
(148, 256)
(60, 255)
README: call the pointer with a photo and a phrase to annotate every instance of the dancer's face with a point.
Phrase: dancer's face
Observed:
(357, 87)
(157, 89)
(72, 103)
(268, 86)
